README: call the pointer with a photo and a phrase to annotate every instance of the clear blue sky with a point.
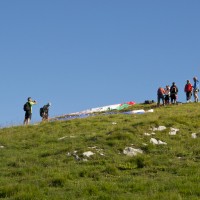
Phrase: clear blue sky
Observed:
(83, 54)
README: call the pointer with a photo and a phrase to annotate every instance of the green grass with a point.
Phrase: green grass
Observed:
(37, 161)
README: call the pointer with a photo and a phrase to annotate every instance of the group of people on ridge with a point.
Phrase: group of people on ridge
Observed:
(170, 94)
(44, 111)
(167, 95)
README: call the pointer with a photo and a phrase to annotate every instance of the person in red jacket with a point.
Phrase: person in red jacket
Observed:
(188, 90)
(161, 95)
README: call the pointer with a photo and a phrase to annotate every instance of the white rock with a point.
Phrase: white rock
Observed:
(129, 151)
(154, 141)
(161, 142)
(62, 138)
(194, 135)
(76, 157)
(173, 131)
(88, 153)
(160, 128)
(69, 154)
(1, 147)
(75, 152)
(157, 142)
(148, 134)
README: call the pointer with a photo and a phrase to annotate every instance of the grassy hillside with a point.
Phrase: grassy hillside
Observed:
(46, 161)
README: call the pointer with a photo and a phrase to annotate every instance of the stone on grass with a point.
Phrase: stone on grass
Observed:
(149, 134)
(161, 142)
(129, 151)
(62, 138)
(173, 131)
(88, 153)
(153, 141)
(194, 135)
(160, 128)
(157, 142)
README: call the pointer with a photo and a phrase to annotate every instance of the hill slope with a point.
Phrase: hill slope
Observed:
(46, 161)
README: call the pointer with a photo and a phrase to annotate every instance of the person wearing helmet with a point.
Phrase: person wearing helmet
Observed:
(196, 89)
(44, 112)
(28, 110)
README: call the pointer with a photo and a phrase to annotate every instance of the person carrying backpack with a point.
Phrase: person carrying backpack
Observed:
(160, 95)
(28, 110)
(173, 93)
(188, 90)
(196, 89)
(44, 112)
(167, 94)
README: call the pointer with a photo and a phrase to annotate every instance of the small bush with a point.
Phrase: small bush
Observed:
(140, 162)
(57, 182)
(110, 169)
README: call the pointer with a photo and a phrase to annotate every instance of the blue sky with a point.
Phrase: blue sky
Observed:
(83, 54)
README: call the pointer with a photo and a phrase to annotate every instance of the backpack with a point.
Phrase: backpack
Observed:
(41, 112)
(148, 101)
(188, 87)
(173, 90)
(27, 107)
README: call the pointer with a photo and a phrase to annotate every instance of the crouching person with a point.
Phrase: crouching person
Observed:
(44, 112)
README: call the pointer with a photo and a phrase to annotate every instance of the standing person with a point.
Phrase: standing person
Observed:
(167, 94)
(173, 93)
(44, 112)
(160, 95)
(28, 110)
(196, 89)
(188, 90)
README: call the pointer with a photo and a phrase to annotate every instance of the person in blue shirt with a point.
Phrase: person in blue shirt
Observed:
(195, 89)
